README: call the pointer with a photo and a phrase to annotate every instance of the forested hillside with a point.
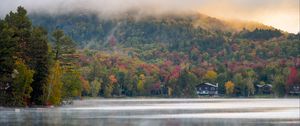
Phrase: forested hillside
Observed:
(144, 56)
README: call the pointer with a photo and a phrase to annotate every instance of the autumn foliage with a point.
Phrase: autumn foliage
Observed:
(229, 86)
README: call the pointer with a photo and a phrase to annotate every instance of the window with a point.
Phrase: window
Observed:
(212, 88)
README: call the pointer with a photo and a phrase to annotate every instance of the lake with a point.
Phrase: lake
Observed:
(160, 112)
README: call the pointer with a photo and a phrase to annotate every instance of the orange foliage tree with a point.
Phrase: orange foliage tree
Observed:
(229, 86)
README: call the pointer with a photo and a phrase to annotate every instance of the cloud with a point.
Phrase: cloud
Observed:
(283, 14)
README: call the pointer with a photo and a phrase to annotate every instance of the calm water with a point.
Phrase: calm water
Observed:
(160, 112)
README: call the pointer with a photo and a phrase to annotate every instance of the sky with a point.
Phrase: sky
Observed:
(281, 14)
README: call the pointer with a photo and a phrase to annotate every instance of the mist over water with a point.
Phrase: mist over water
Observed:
(160, 112)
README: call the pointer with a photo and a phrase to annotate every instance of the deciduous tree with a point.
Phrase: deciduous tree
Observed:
(53, 89)
(229, 86)
(210, 76)
(23, 77)
(95, 87)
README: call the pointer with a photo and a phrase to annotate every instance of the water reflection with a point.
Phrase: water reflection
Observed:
(160, 112)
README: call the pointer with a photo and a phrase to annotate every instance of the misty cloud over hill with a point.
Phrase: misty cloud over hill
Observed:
(282, 14)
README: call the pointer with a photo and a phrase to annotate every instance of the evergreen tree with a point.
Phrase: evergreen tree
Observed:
(21, 26)
(279, 87)
(186, 84)
(62, 44)
(7, 61)
(39, 61)
(240, 86)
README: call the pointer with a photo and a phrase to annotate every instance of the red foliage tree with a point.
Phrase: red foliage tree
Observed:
(292, 78)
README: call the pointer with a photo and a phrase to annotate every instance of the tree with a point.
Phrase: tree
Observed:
(95, 70)
(229, 86)
(249, 80)
(108, 90)
(7, 61)
(113, 79)
(39, 62)
(21, 84)
(210, 76)
(21, 26)
(72, 86)
(14, 40)
(63, 45)
(221, 79)
(279, 86)
(292, 78)
(140, 83)
(58, 41)
(85, 86)
(240, 86)
(186, 84)
(30, 45)
(109, 87)
(53, 89)
(95, 87)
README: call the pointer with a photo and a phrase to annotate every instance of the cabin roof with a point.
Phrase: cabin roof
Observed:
(209, 84)
(263, 85)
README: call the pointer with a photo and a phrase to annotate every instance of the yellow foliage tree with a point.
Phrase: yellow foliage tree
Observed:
(140, 84)
(229, 86)
(210, 75)
(53, 90)
(21, 87)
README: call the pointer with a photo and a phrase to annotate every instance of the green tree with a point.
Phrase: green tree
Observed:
(14, 40)
(30, 45)
(221, 79)
(62, 45)
(71, 85)
(240, 86)
(249, 80)
(108, 90)
(39, 61)
(95, 87)
(279, 85)
(186, 84)
(7, 61)
(21, 26)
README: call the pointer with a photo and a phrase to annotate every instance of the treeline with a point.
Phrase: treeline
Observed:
(261, 34)
(122, 74)
(164, 57)
(34, 71)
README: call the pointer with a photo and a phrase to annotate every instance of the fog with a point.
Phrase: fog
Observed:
(282, 14)
(160, 112)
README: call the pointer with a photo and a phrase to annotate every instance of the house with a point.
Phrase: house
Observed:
(294, 89)
(207, 89)
(264, 89)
